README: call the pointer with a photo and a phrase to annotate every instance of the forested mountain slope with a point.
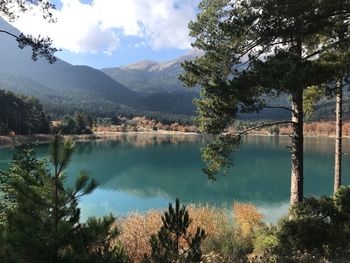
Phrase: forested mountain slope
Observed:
(61, 75)
(143, 86)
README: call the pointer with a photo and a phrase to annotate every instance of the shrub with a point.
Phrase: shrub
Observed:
(235, 240)
(174, 243)
(341, 202)
(247, 218)
(264, 239)
(318, 228)
(229, 243)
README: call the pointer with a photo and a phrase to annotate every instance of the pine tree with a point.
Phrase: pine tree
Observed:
(256, 49)
(42, 222)
(338, 135)
(338, 57)
(173, 243)
(23, 160)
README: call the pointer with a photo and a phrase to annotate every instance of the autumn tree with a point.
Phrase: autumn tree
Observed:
(254, 50)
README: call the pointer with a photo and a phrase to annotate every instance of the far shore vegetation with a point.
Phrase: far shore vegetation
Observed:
(21, 115)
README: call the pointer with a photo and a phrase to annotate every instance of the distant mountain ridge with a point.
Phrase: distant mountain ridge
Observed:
(142, 65)
(61, 75)
(62, 85)
(151, 77)
(143, 86)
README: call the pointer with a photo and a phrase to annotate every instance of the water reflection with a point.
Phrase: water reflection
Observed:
(143, 172)
(166, 170)
(141, 140)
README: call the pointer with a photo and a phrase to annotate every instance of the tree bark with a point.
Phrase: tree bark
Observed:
(338, 136)
(55, 259)
(297, 150)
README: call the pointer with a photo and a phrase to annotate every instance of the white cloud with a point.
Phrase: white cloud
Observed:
(97, 27)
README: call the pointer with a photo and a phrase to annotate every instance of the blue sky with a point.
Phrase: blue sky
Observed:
(109, 33)
(123, 56)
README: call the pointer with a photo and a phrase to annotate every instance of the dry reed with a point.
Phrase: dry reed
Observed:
(247, 218)
(136, 229)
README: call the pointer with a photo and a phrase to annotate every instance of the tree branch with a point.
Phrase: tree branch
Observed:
(8, 33)
(323, 49)
(263, 126)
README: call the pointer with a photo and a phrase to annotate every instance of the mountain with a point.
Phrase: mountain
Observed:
(152, 77)
(139, 87)
(60, 102)
(62, 87)
(60, 77)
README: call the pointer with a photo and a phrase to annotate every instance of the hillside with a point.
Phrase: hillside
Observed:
(144, 86)
(63, 87)
(59, 102)
(61, 76)
(174, 102)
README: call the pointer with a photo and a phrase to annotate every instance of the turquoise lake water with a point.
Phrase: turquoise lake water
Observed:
(139, 172)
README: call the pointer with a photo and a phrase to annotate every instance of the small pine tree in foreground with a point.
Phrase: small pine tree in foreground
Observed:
(41, 219)
(173, 243)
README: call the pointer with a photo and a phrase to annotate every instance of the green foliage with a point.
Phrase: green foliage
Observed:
(260, 49)
(41, 222)
(97, 235)
(173, 243)
(264, 239)
(217, 155)
(341, 201)
(23, 160)
(305, 234)
(317, 230)
(312, 95)
(79, 123)
(318, 226)
(230, 244)
(23, 115)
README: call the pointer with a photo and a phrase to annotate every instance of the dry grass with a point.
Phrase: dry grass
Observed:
(136, 232)
(208, 218)
(136, 229)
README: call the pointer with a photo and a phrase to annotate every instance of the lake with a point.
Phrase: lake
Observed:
(140, 172)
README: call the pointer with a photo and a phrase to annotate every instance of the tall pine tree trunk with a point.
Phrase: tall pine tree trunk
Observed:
(338, 135)
(56, 216)
(297, 151)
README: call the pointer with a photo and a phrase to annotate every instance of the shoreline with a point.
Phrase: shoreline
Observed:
(11, 141)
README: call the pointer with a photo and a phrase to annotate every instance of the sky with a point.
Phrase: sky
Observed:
(110, 33)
